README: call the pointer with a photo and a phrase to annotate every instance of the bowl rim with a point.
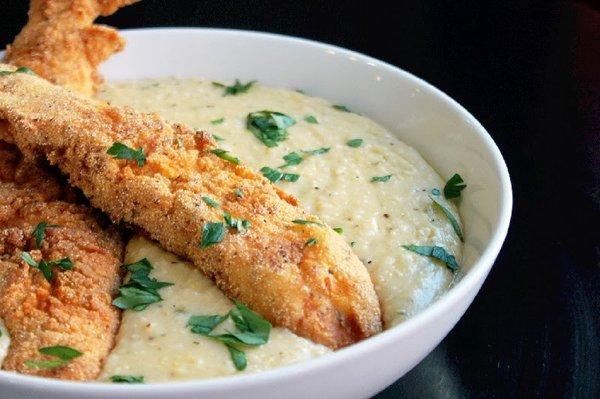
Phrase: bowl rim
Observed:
(457, 293)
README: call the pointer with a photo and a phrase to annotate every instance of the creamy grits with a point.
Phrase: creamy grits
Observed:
(4, 342)
(156, 343)
(377, 218)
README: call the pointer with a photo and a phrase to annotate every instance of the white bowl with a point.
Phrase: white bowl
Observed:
(424, 117)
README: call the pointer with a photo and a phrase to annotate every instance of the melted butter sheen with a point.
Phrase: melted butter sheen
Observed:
(378, 218)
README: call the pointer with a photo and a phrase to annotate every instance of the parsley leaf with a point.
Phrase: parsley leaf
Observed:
(380, 179)
(63, 355)
(235, 89)
(454, 186)
(218, 138)
(253, 330)
(451, 218)
(293, 158)
(39, 233)
(238, 193)
(354, 143)
(217, 122)
(269, 127)
(27, 258)
(223, 154)
(128, 379)
(318, 151)
(24, 70)
(211, 202)
(121, 151)
(275, 175)
(338, 230)
(141, 290)
(435, 252)
(310, 242)
(311, 119)
(302, 221)
(212, 233)
(46, 266)
(240, 224)
(342, 108)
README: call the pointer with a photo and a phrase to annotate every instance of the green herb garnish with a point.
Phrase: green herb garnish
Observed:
(318, 151)
(293, 158)
(342, 108)
(63, 355)
(454, 186)
(275, 175)
(223, 154)
(310, 242)
(235, 89)
(141, 290)
(46, 266)
(212, 233)
(121, 151)
(24, 70)
(238, 193)
(252, 330)
(435, 252)
(451, 218)
(39, 233)
(354, 143)
(338, 230)
(217, 122)
(304, 222)
(380, 179)
(239, 224)
(435, 191)
(211, 202)
(311, 119)
(269, 127)
(128, 379)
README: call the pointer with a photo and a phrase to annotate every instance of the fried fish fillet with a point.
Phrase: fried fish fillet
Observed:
(74, 309)
(300, 275)
(61, 43)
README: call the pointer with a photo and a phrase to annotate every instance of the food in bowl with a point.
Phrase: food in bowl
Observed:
(364, 150)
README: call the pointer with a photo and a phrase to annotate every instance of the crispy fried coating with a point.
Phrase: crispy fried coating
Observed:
(75, 308)
(300, 276)
(61, 43)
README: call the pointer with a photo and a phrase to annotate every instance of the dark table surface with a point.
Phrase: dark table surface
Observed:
(530, 72)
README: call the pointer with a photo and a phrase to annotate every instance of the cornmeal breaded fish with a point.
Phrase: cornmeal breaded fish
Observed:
(61, 43)
(74, 308)
(287, 265)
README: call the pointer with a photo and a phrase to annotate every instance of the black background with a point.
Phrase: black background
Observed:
(530, 72)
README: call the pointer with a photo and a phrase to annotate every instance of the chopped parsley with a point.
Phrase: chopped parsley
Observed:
(342, 108)
(451, 218)
(435, 191)
(128, 379)
(24, 70)
(212, 233)
(380, 179)
(141, 290)
(275, 175)
(46, 266)
(121, 151)
(311, 119)
(293, 158)
(217, 122)
(435, 252)
(238, 193)
(310, 242)
(354, 143)
(454, 186)
(211, 202)
(223, 154)
(304, 222)
(318, 151)
(62, 355)
(338, 230)
(252, 330)
(39, 233)
(269, 127)
(235, 89)
(240, 224)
